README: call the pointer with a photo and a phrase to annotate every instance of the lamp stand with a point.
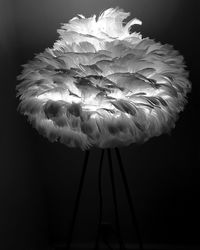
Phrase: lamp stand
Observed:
(117, 222)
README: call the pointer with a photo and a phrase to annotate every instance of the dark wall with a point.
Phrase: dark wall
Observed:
(39, 180)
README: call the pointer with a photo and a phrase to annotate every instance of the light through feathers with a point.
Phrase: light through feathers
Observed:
(101, 85)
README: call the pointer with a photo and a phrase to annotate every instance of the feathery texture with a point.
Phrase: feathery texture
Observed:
(101, 85)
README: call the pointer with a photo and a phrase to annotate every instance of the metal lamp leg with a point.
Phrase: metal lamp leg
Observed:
(77, 201)
(130, 201)
(122, 247)
(96, 247)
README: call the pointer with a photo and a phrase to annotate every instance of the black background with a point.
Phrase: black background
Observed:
(39, 179)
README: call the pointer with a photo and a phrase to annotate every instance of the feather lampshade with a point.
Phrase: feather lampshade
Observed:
(101, 85)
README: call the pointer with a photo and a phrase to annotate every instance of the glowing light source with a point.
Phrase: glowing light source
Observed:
(102, 86)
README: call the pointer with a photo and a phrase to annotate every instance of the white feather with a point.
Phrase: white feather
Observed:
(102, 86)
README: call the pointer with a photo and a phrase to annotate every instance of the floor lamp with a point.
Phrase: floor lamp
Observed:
(105, 86)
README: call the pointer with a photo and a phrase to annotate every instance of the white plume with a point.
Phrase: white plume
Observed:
(102, 86)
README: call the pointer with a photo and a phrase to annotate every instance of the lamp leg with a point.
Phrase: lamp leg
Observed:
(130, 201)
(96, 247)
(115, 201)
(77, 201)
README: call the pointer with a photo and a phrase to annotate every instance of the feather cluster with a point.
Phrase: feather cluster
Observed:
(101, 85)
